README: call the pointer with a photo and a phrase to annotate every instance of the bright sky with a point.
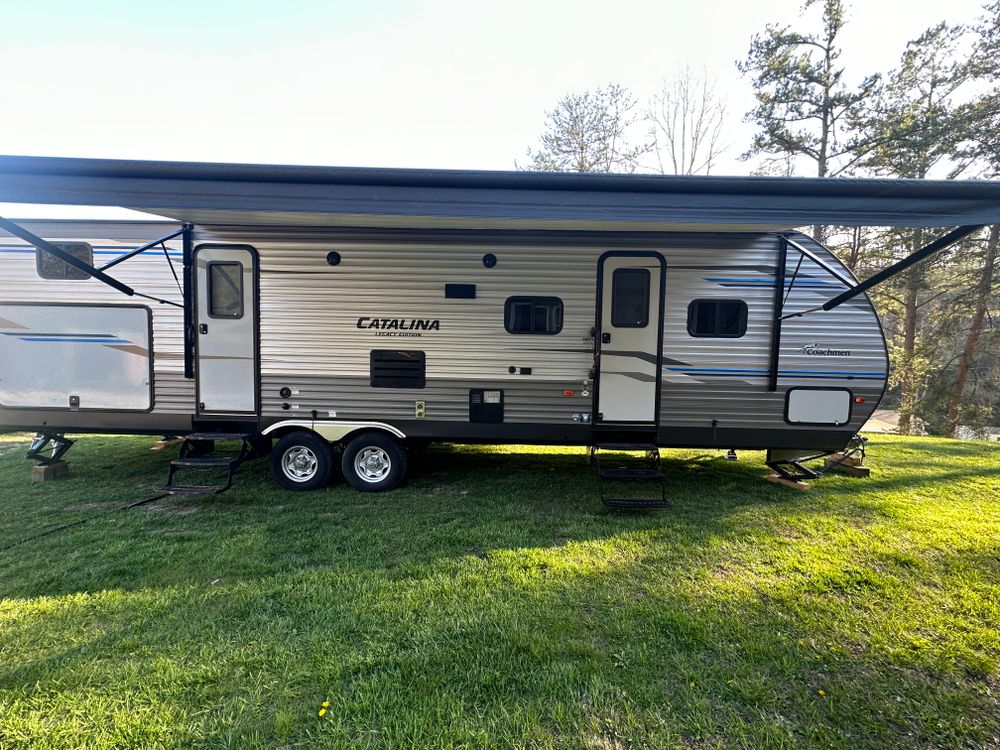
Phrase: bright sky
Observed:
(443, 83)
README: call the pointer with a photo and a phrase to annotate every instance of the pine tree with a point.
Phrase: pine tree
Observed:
(980, 126)
(805, 109)
(908, 129)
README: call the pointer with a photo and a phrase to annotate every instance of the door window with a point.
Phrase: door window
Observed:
(225, 290)
(630, 298)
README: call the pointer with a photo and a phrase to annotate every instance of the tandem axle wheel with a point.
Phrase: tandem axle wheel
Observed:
(370, 462)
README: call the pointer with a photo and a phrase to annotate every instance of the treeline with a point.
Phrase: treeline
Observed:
(935, 115)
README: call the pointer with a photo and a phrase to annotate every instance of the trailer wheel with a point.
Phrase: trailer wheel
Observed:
(374, 462)
(302, 461)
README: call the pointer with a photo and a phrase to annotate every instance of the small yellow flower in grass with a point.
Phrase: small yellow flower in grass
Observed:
(322, 712)
(821, 692)
(325, 704)
(323, 707)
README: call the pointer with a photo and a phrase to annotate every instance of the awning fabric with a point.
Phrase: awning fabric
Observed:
(245, 194)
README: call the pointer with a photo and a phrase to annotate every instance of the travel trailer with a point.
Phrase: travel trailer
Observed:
(337, 315)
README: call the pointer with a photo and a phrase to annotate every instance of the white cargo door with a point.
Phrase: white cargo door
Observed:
(226, 321)
(75, 357)
(818, 406)
(630, 324)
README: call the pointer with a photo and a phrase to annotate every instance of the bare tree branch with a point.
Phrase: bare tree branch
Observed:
(687, 117)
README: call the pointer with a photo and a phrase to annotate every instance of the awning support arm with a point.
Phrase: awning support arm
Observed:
(138, 250)
(774, 353)
(887, 273)
(48, 247)
(819, 262)
(187, 279)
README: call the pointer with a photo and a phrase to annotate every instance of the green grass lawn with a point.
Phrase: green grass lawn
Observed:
(494, 603)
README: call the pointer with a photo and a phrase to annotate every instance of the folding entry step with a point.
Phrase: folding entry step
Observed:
(193, 456)
(620, 464)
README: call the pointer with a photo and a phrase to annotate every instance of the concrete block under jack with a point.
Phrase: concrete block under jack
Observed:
(778, 479)
(159, 445)
(852, 470)
(844, 461)
(47, 472)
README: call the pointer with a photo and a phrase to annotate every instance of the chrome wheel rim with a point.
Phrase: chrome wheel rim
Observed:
(299, 463)
(372, 464)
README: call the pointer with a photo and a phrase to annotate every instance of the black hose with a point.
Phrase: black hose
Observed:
(53, 530)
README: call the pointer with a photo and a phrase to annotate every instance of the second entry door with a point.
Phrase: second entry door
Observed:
(629, 333)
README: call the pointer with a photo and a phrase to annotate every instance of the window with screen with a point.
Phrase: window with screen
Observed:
(225, 290)
(49, 266)
(630, 298)
(538, 315)
(717, 318)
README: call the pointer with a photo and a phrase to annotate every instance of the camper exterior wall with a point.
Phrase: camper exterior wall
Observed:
(173, 395)
(317, 331)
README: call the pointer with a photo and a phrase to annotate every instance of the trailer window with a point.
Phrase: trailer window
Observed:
(717, 318)
(225, 290)
(630, 298)
(49, 266)
(539, 315)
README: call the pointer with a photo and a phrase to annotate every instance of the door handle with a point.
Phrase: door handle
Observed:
(203, 328)
(605, 338)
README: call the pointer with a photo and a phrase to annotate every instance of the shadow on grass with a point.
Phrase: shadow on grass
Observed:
(480, 652)
(493, 601)
(459, 502)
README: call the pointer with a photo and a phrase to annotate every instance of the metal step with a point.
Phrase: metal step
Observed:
(205, 463)
(635, 503)
(630, 469)
(629, 474)
(188, 459)
(625, 446)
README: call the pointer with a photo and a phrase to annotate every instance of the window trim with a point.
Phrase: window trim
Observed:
(744, 316)
(208, 289)
(67, 247)
(614, 288)
(535, 300)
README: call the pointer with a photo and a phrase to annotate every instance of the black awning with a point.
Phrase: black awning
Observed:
(244, 194)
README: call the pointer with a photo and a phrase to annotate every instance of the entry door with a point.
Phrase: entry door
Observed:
(226, 325)
(629, 331)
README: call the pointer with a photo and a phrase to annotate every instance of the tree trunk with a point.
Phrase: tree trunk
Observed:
(852, 261)
(908, 376)
(819, 231)
(826, 128)
(985, 287)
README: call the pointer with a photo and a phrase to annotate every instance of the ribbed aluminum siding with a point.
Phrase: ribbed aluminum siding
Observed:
(724, 381)
(147, 273)
(310, 341)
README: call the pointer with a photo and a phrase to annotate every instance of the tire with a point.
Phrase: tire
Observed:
(302, 461)
(374, 462)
